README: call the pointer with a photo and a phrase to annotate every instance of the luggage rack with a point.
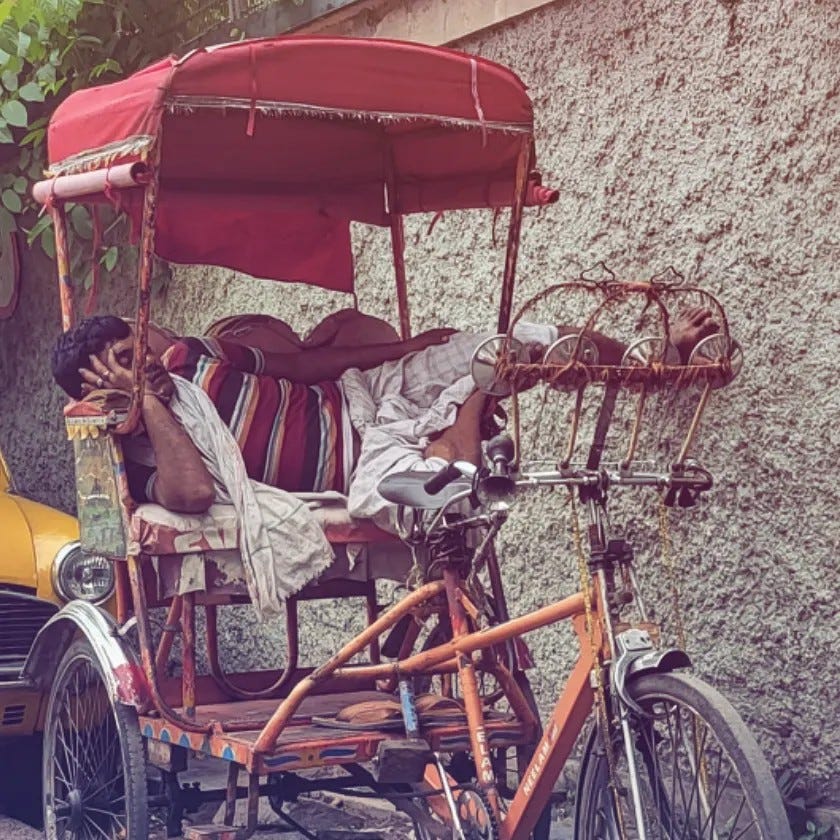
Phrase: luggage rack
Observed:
(502, 366)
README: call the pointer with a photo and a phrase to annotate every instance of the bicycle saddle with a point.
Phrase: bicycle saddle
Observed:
(406, 488)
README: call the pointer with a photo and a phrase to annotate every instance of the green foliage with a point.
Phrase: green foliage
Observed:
(49, 48)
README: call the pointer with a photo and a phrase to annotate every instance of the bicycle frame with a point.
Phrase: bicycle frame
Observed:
(595, 633)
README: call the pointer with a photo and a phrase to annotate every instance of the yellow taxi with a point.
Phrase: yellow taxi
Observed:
(42, 567)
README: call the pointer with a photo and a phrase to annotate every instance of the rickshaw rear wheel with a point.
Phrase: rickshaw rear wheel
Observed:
(94, 767)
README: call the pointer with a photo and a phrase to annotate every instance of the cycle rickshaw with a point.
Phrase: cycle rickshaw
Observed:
(214, 156)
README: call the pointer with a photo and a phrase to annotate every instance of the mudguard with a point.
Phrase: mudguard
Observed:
(637, 655)
(122, 672)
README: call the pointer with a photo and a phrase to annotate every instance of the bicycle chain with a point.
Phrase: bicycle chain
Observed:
(668, 561)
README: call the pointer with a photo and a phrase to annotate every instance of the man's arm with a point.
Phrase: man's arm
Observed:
(183, 483)
(327, 363)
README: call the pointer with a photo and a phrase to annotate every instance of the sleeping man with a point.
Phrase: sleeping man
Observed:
(339, 416)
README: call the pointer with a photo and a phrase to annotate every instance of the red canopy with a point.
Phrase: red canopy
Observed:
(269, 148)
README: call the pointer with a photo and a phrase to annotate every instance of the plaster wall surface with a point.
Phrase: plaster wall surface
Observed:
(698, 134)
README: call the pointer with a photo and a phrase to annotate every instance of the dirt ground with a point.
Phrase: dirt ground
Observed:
(328, 817)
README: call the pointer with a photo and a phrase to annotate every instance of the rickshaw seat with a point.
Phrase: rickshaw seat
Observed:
(157, 530)
(201, 552)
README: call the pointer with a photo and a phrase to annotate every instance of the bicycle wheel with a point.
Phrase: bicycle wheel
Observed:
(700, 772)
(94, 768)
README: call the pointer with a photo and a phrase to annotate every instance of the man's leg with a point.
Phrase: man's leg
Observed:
(462, 440)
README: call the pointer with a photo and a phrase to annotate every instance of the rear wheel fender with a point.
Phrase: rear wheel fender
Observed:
(121, 671)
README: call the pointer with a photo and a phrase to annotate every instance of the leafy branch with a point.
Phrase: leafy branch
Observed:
(48, 49)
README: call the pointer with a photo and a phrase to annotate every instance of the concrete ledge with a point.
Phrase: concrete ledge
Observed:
(428, 21)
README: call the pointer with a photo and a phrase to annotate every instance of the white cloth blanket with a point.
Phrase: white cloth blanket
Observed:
(282, 545)
(397, 406)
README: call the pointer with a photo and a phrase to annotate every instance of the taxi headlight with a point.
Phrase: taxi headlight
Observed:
(76, 574)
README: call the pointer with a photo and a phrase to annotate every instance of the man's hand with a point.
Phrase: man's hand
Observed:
(111, 374)
(429, 339)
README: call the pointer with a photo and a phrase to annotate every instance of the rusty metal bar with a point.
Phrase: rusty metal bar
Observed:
(253, 803)
(230, 793)
(62, 257)
(372, 614)
(518, 702)
(392, 670)
(496, 585)
(469, 689)
(167, 637)
(138, 593)
(397, 242)
(121, 592)
(289, 706)
(144, 296)
(695, 423)
(568, 607)
(567, 720)
(637, 427)
(523, 164)
(188, 664)
(221, 678)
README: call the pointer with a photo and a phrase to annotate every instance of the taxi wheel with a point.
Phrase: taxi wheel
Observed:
(94, 769)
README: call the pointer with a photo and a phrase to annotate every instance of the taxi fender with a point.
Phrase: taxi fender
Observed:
(121, 670)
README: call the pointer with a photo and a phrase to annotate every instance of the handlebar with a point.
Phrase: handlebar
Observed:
(691, 477)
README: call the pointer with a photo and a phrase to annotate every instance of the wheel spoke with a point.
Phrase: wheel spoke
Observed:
(693, 772)
(103, 785)
(95, 775)
(91, 822)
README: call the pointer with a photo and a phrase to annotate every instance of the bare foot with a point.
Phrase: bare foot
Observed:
(691, 326)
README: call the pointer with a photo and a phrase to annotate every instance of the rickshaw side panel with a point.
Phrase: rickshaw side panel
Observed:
(102, 496)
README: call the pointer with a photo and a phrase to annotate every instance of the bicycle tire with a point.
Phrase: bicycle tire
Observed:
(677, 703)
(94, 767)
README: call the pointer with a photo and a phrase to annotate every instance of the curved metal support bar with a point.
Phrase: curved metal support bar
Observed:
(695, 423)
(146, 651)
(573, 429)
(637, 427)
(144, 293)
(289, 706)
(167, 637)
(523, 165)
(120, 669)
(221, 678)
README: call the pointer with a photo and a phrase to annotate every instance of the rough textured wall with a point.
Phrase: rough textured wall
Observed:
(697, 134)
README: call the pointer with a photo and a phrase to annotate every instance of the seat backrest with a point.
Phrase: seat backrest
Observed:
(103, 501)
